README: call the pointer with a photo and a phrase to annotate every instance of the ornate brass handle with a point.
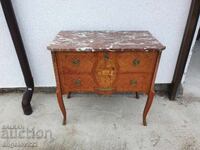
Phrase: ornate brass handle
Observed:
(136, 62)
(133, 82)
(77, 82)
(76, 62)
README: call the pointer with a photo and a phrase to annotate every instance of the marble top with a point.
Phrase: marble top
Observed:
(104, 40)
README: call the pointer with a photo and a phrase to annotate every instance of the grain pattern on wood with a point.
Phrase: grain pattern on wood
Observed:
(137, 61)
(133, 82)
(78, 83)
(72, 62)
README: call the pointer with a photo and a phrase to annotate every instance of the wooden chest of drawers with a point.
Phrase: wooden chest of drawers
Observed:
(105, 62)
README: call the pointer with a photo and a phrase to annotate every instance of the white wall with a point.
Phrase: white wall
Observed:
(39, 22)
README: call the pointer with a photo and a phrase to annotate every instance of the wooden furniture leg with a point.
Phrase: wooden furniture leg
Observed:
(69, 95)
(137, 95)
(62, 106)
(147, 106)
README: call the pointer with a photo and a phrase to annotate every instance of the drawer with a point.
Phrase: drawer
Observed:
(133, 82)
(77, 62)
(137, 61)
(78, 83)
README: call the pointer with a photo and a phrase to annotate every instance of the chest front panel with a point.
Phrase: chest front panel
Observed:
(106, 72)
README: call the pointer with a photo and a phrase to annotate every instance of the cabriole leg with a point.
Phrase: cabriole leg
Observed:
(147, 106)
(62, 107)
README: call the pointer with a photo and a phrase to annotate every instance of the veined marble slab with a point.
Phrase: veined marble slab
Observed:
(104, 40)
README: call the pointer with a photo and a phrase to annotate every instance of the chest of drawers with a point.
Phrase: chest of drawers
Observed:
(105, 62)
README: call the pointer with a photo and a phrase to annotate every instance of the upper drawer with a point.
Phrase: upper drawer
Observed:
(137, 61)
(77, 62)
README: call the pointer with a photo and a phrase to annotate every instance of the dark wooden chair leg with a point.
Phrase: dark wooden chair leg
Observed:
(62, 107)
(137, 95)
(69, 95)
(147, 106)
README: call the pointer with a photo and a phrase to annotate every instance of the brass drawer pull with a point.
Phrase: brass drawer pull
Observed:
(76, 62)
(133, 82)
(77, 82)
(136, 62)
(105, 89)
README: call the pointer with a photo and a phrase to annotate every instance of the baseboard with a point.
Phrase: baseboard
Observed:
(158, 88)
(22, 89)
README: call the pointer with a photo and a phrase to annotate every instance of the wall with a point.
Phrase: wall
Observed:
(39, 22)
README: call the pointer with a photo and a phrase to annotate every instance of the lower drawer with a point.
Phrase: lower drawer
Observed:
(77, 83)
(126, 82)
(129, 82)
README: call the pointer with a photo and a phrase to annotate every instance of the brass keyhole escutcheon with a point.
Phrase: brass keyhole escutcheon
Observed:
(77, 82)
(76, 62)
(133, 82)
(136, 62)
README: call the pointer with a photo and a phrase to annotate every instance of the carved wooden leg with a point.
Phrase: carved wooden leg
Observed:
(69, 95)
(62, 106)
(137, 95)
(147, 106)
